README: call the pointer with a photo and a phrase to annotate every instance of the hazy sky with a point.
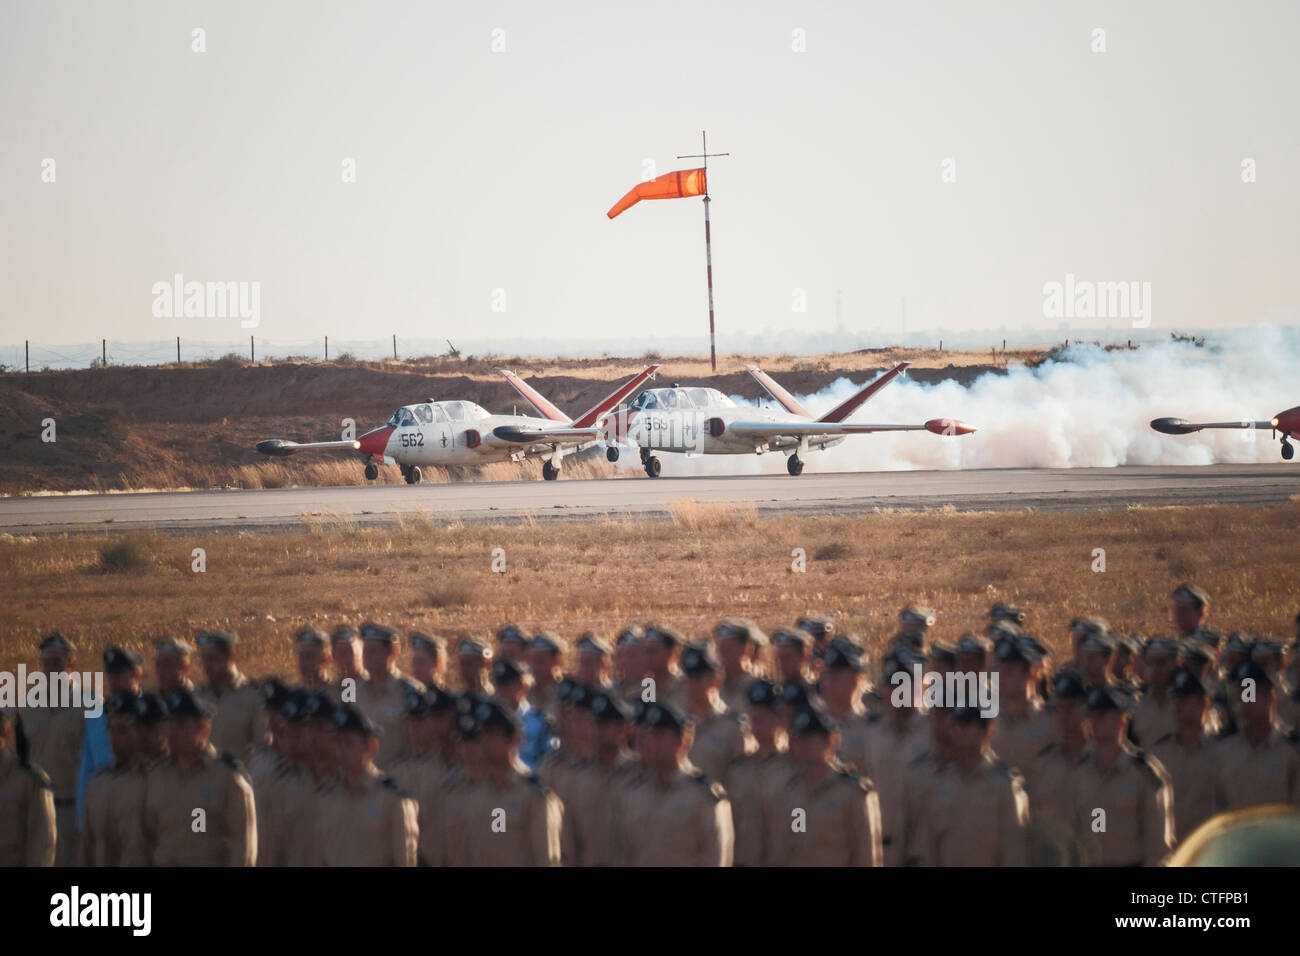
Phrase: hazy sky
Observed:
(479, 170)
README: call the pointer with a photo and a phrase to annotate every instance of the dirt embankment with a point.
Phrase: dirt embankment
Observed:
(122, 428)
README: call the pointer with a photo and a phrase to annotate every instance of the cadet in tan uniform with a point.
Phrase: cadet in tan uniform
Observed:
(512, 644)
(1051, 779)
(270, 755)
(919, 784)
(1153, 717)
(239, 715)
(914, 623)
(1023, 727)
(738, 643)
(1124, 802)
(660, 650)
(1093, 648)
(793, 652)
(473, 657)
(1258, 764)
(382, 696)
(671, 815)
(605, 765)
(171, 663)
(546, 654)
(629, 663)
(312, 654)
(977, 812)
(428, 659)
(283, 800)
(125, 824)
(98, 844)
(191, 778)
(593, 656)
(819, 629)
(345, 648)
(841, 678)
(455, 805)
(1190, 755)
(1191, 609)
(753, 779)
(424, 772)
(55, 736)
(895, 738)
(720, 736)
(510, 819)
(824, 815)
(27, 827)
(365, 819)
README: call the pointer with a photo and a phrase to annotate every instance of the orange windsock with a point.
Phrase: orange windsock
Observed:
(674, 185)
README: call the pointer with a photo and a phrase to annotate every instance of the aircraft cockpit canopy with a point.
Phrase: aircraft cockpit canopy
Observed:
(429, 413)
(675, 398)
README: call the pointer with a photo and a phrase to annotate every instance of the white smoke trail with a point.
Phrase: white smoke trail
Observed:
(1090, 408)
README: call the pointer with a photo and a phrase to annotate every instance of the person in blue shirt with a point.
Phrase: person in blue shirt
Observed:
(122, 671)
(511, 681)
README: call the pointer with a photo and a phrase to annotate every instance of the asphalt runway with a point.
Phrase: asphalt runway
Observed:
(836, 493)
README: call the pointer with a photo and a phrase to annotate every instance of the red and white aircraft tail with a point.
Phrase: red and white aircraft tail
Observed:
(586, 427)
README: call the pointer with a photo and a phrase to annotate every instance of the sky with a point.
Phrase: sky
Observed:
(895, 168)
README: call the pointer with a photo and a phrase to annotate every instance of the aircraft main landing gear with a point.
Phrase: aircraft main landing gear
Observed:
(412, 474)
(794, 465)
(611, 453)
(1288, 450)
(372, 471)
(549, 471)
(650, 463)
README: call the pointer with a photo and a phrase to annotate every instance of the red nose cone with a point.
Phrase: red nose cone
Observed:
(949, 426)
(375, 442)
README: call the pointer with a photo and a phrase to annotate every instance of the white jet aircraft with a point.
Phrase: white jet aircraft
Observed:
(461, 433)
(696, 420)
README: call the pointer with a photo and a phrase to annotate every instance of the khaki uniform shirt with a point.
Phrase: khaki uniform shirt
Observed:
(373, 826)
(1193, 772)
(855, 733)
(27, 829)
(55, 736)
(287, 815)
(1051, 780)
(1137, 798)
(1251, 774)
(454, 810)
(1151, 721)
(217, 785)
(590, 834)
(1017, 740)
(386, 707)
(719, 739)
(114, 804)
(684, 822)
(514, 823)
(835, 822)
(732, 690)
(752, 783)
(975, 819)
(918, 788)
(888, 751)
(239, 725)
(425, 778)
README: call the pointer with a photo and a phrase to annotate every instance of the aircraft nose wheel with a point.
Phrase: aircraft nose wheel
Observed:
(794, 465)
(1288, 450)
(611, 453)
(652, 466)
(372, 471)
(413, 475)
(549, 471)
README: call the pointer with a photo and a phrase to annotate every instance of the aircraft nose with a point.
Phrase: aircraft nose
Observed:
(375, 441)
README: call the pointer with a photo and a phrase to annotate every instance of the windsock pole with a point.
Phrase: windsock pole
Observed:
(708, 242)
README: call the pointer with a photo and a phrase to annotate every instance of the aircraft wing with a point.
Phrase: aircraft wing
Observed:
(1181, 426)
(529, 435)
(280, 447)
(770, 430)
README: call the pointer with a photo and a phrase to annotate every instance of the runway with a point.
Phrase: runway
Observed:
(836, 493)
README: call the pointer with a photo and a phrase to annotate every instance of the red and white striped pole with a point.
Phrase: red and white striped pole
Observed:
(708, 242)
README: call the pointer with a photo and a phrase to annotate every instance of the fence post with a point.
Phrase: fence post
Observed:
(394, 346)
(252, 353)
(178, 350)
(103, 355)
(27, 351)
(327, 348)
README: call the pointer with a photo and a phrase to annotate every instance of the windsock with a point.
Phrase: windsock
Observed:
(674, 185)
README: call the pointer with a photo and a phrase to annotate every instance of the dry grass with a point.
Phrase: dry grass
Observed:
(707, 562)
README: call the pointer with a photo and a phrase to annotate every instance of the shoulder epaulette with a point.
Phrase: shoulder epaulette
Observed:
(1046, 750)
(231, 761)
(390, 783)
(1162, 739)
